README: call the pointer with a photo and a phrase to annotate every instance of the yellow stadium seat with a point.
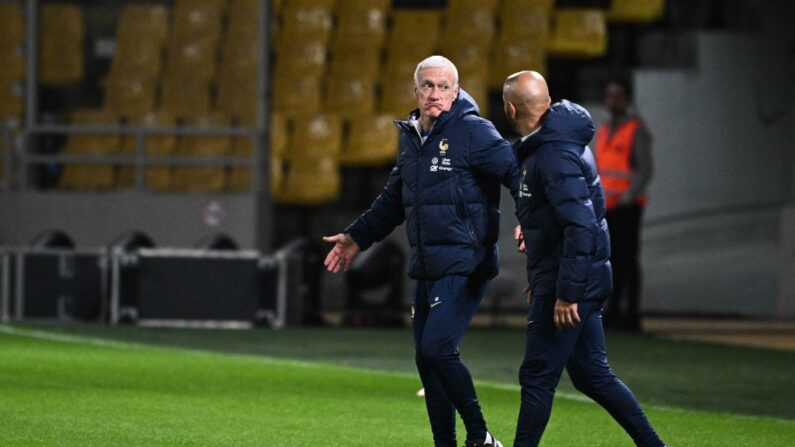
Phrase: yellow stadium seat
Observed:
(635, 10)
(579, 33)
(372, 141)
(347, 61)
(315, 136)
(530, 25)
(186, 97)
(310, 182)
(197, 19)
(238, 58)
(414, 31)
(469, 22)
(240, 177)
(514, 57)
(397, 96)
(297, 95)
(195, 58)
(157, 178)
(138, 58)
(243, 21)
(202, 178)
(61, 44)
(470, 60)
(305, 57)
(361, 24)
(350, 96)
(12, 38)
(143, 22)
(238, 97)
(12, 24)
(130, 96)
(89, 176)
(305, 21)
(313, 174)
(11, 99)
(478, 88)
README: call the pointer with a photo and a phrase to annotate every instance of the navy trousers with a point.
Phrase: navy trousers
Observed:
(581, 350)
(441, 312)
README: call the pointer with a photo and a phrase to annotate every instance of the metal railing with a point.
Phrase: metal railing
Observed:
(141, 159)
(7, 136)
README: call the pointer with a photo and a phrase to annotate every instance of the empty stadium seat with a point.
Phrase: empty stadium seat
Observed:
(243, 21)
(157, 178)
(361, 24)
(130, 96)
(397, 97)
(315, 136)
(240, 178)
(306, 20)
(143, 22)
(297, 95)
(470, 60)
(186, 97)
(372, 141)
(313, 174)
(238, 97)
(61, 44)
(470, 22)
(202, 178)
(197, 19)
(350, 96)
(635, 10)
(12, 38)
(530, 24)
(579, 33)
(348, 61)
(196, 58)
(138, 58)
(90, 176)
(510, 58)
(414, 31)
(239, 58)
(305, 57)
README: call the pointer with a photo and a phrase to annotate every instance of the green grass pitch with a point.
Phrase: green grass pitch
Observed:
(62, 389)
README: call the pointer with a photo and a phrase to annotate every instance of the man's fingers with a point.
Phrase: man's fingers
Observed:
(517, 233)
(575, 317)
(522, 248)
(332, 239)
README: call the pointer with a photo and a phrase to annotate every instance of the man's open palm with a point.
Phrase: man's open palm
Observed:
(341, 256)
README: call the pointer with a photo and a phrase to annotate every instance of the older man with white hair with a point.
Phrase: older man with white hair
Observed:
(446, 186)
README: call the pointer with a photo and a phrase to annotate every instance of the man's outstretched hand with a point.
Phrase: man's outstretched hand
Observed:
(341, 255)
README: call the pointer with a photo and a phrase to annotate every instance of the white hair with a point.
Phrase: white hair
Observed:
(435, 62)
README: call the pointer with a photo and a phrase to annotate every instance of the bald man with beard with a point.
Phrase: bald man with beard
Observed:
(561, 211)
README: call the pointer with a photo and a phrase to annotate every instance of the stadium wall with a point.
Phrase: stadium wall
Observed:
(96, 219)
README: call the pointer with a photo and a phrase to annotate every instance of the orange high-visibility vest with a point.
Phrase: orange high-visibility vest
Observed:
(613, 159)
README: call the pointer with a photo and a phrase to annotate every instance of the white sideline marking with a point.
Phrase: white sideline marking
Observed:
(106, 343)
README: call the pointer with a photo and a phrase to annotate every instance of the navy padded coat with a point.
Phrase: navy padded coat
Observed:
(448, 192)
(561, 208)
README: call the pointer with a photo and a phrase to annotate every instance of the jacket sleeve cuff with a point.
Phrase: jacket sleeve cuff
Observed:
(362, 238)
(571, 292)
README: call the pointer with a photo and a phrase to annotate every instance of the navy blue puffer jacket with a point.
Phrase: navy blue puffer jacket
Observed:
(561, 208)
(448, 192)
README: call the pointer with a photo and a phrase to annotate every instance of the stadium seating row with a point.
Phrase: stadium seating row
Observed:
(305, 154)
(344, 63)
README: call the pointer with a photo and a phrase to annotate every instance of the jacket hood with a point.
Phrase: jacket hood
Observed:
(463, 105)
(564, 122)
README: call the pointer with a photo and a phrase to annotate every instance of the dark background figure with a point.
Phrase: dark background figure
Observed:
(623, 154)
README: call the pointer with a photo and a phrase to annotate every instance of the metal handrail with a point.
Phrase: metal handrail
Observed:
(141, 158)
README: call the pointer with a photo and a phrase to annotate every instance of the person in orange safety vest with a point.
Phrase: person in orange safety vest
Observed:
(623, 156)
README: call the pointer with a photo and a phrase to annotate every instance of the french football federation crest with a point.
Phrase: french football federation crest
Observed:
(443, 147)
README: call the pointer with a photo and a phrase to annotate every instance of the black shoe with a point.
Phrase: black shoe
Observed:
(490, 441)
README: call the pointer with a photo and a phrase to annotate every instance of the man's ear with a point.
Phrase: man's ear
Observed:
(511, 110)
(416, 92)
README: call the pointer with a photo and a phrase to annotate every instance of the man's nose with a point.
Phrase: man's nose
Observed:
(435, 92)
